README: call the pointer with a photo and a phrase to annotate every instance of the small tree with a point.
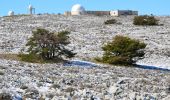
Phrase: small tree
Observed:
(49, 45)
(145, 20)
(122, 51)
(110, 21)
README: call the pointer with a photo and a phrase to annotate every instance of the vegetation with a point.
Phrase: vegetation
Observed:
(110, 21)
(47, 46)
(9, 56)
(122, 51)
(145, 20)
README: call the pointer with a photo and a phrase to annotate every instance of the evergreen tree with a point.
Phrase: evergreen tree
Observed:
(123, 51)
(49, 45)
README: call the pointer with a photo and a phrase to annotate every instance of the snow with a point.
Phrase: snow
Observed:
(80, 63)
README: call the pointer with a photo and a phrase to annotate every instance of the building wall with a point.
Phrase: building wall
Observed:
(123, 12)
(135, 12)
(114, 13)
(67, 13)
(98, 13)
(77, 13)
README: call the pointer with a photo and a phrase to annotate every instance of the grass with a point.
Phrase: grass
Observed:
(9, 56)
(28, 58)
(34, 58)
(99, 61)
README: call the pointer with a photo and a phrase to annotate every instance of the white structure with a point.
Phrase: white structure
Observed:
(78, 10)
(10, 13)
(123, 12)
(31, 9)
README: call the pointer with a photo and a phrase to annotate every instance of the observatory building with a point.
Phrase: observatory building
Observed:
(11, 13)
(123, 12)
(80, 10)
(31, 9)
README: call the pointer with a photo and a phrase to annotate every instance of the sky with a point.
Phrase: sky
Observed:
(156, 7)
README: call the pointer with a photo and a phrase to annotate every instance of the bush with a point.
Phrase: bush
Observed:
(45, 45)
(110, 21)
(145, 20)
(122, 51)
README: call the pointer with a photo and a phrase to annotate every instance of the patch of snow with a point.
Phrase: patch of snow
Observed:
(80, 63)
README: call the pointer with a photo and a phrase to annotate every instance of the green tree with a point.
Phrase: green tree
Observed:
(48, 45)
(145, 20)
(122, 51)
(110, 21)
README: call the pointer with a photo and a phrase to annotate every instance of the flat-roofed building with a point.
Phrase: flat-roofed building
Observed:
(98, 13)
(80, 10)
(123, 12)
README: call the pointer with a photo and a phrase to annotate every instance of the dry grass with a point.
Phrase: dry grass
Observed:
(18, 57)
(9, 56)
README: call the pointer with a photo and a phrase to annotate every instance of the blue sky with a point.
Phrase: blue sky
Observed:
(156, 7)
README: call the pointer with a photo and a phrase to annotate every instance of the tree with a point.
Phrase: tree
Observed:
(122, 51)
(145, 20)
(110, 21)
(49, 45)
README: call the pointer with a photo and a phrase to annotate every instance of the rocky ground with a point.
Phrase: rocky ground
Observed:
(88, 33)
(103, 82)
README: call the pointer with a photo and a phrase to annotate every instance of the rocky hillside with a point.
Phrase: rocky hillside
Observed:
(88, 34)
(19, 80)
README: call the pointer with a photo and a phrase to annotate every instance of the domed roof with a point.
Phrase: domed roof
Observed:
(10, 13)
(78, 8)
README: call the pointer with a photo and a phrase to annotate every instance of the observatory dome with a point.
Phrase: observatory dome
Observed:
(78, 10)
(10, 13)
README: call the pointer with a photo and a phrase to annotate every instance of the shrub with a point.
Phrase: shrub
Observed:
(122, 51)
(110, 21)
(45, 45)
(145, 20)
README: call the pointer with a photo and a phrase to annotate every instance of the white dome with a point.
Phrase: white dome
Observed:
(78, 7)
(10, 13)
(77, 10)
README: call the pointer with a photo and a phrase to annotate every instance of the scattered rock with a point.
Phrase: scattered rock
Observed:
(56, 86)
(32, 93)
(103, 81)
(2, 72)
(5, 96)
(168, 90)
(24, 87)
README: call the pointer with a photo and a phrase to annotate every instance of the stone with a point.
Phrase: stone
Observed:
(32, 93)
(5, 96)
(166, 98)
(2, 72)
